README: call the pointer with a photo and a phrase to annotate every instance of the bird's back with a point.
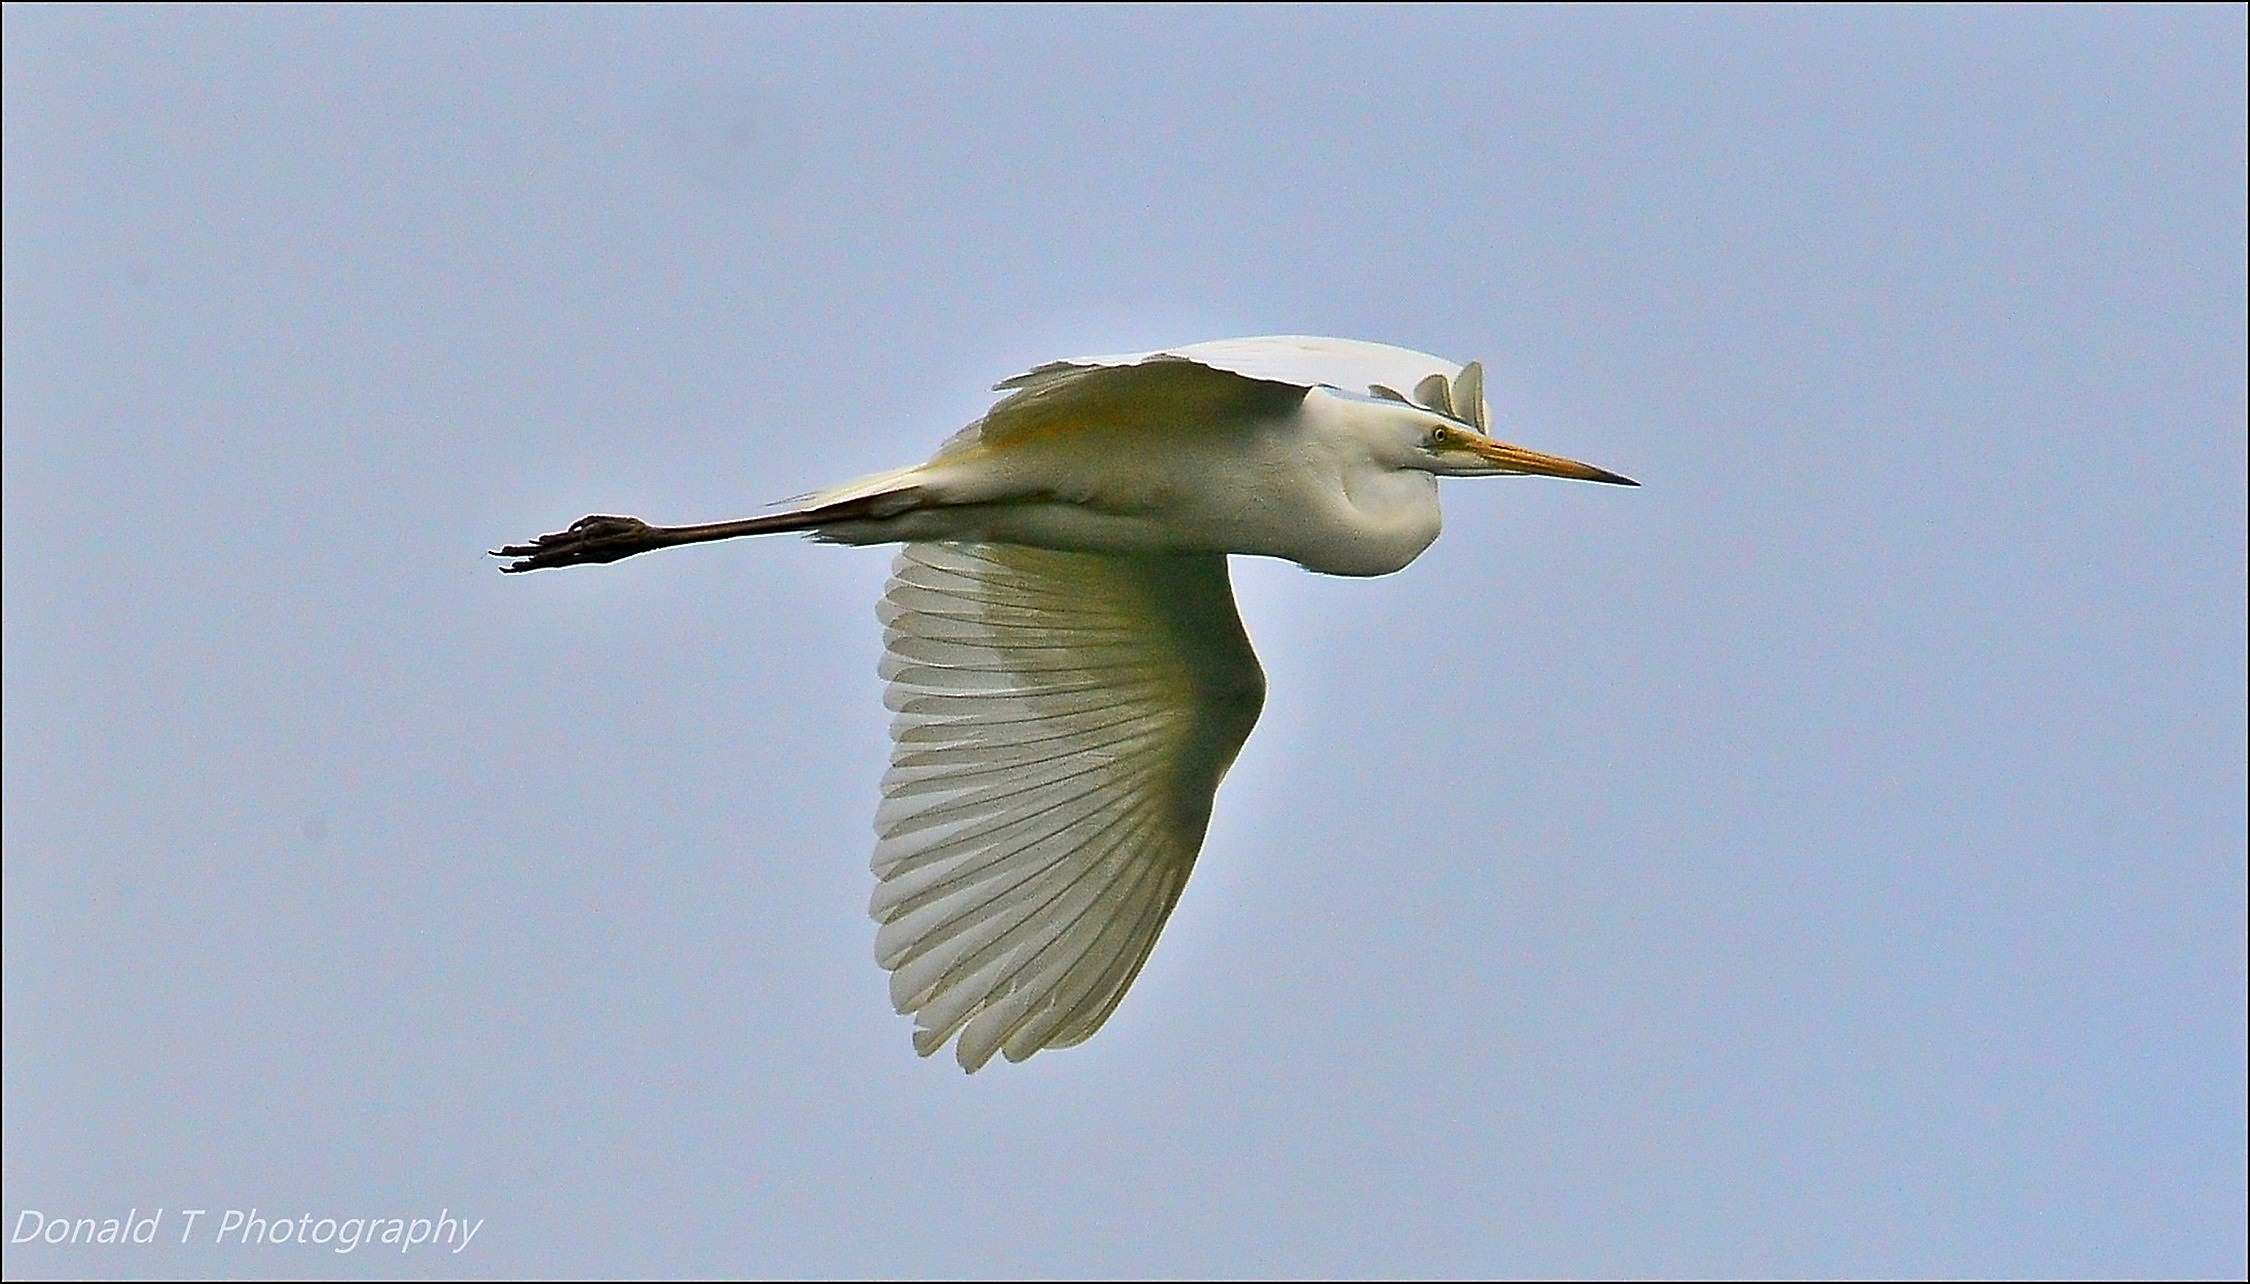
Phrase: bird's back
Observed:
(1299, 360)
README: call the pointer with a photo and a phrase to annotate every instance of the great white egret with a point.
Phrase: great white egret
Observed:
(1068, 673)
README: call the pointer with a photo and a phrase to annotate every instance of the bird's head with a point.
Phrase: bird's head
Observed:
(1449, 448)
(1442, 430)
(1399, 434)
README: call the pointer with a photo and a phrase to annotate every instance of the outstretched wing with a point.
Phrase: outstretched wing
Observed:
(1295, 360)
(1223, 381)
(1160, 392)
(1062, 722)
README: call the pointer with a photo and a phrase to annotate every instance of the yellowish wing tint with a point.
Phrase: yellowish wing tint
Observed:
(1161, 392)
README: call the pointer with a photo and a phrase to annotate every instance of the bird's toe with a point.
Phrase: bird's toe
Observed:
(595, 538)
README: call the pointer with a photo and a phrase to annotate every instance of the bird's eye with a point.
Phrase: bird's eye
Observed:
(1438, 437)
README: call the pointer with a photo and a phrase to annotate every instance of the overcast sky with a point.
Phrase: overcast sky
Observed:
(1826, 859)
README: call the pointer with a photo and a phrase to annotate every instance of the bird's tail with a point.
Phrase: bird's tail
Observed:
(895, 482)
(870, 498)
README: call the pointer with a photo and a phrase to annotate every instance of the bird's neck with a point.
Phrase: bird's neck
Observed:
(1392, 514)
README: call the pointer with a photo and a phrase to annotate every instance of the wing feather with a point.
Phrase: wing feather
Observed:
(1227, 377)
(1300, 361)
(1062, 722)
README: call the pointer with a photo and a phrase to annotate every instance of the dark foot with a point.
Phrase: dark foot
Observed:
(589, 540)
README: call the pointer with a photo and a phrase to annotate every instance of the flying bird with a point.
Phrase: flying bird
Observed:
(1067, 672)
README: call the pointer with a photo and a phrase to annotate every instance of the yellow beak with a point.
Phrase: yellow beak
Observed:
(1517, 459)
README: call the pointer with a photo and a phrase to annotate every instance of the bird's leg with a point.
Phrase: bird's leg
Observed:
(587, 541)
(606, 539)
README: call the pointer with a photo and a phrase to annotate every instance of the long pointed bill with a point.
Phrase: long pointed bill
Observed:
(1517, 459)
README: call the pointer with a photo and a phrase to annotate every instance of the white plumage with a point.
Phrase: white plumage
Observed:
(1062, 721)
(1068, 675)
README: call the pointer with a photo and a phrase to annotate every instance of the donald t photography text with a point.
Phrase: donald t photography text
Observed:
(249, 1226)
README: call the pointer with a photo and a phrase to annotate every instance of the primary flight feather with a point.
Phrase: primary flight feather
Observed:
(1067, 673)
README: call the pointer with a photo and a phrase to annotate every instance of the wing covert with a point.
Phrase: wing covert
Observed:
(1061, 391)
(1161, 392)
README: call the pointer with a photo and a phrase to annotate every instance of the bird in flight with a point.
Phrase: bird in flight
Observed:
(1068, 676)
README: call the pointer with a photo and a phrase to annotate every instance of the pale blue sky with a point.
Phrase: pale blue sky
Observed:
(1835, 865)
